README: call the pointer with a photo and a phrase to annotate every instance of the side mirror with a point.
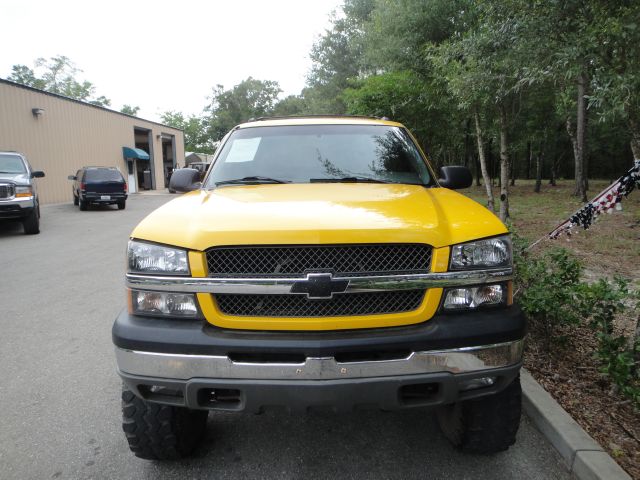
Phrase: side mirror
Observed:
(455, 177)
(72, 177)
(185, 180)
(37, 174)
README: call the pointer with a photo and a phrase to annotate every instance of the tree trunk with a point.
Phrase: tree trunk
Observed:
(528, 160)
(483, 164)
(478, 172)
(538, 172)
(554, 167)
(578, 138)
(504, 166)
(490, 161)
(634, 126)
(468, 144)
(514, 162)
(636, 339)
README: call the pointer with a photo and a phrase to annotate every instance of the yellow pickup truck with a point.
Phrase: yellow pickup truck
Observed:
(320, 263)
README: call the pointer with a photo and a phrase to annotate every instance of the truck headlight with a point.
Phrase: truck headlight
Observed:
(474, 297)
(163, 304)
(145, 257)
(24, 191)
(491, 252)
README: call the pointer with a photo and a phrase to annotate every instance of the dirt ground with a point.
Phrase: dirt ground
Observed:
(570, 373)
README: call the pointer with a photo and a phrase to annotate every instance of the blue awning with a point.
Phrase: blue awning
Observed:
(136, 153)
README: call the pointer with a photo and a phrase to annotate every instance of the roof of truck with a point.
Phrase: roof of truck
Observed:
(318, 120)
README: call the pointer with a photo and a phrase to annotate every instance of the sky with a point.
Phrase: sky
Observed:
(167, 55)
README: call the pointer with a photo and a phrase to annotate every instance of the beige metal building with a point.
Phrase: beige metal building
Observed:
(59, 135)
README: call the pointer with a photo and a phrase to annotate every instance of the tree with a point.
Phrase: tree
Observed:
(337, 59)
(130, 110)
(402, 96)
(57, 75)
(196, 136)
(481, 67)
(291, 105)
(615, 85)
(251, 98)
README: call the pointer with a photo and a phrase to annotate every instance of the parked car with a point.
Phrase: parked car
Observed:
(18, 191)
(99, 186)
(321, 264)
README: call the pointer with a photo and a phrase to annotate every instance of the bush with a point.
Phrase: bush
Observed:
(617, 354)
(550, 291)
(553, 296)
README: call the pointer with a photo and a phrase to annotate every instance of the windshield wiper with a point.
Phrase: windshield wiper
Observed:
(347, 180)
(251, 180)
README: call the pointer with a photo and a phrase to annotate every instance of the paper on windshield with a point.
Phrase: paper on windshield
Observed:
(243, 150)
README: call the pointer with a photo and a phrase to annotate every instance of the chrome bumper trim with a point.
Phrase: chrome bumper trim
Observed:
(281, 286)
(22, 202)
(185, 367)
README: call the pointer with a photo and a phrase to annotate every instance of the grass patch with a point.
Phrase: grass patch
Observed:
(610, 247)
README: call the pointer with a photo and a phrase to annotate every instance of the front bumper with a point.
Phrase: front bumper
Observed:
(17, 207)
(446, 359)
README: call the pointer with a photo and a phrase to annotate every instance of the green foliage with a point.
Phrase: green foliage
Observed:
(130, 110)
(616, 353)
(196, 137)
(515, 57)
(337, 57)
(396, 33)
(57, 75)
(251, 98)
(554, 297)
(291, 105)
(403, 96)
(550, 291)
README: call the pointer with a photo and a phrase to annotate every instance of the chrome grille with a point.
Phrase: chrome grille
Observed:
(297, 260)
(7, 190)
(343, 304)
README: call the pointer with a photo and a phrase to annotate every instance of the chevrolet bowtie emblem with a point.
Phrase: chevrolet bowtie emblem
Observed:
(319, 285)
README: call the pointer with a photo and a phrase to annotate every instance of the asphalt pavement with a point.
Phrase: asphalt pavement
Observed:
(60, 396)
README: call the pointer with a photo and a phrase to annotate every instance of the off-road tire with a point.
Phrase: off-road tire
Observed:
(83, 204)
(161, 432)
(484, 425)
(75, 200)
(122, 205)
(31, 223)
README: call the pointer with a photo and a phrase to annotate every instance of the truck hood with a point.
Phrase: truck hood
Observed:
(318, 214)
(17, 178)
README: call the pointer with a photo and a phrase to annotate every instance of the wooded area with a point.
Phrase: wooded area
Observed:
(548, 88)
(513, 89)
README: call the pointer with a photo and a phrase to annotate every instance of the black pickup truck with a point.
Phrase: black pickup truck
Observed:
(99, 185)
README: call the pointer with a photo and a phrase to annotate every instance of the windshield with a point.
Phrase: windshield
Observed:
(12, 164)
(103, 175)
(316, 153)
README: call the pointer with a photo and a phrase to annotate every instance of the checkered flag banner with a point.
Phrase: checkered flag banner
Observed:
(606, 201)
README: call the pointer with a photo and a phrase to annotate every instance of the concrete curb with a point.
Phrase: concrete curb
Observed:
(585, 459)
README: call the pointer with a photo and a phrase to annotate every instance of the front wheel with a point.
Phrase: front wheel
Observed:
(31, 223)
(161, 432)
(486, 424)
